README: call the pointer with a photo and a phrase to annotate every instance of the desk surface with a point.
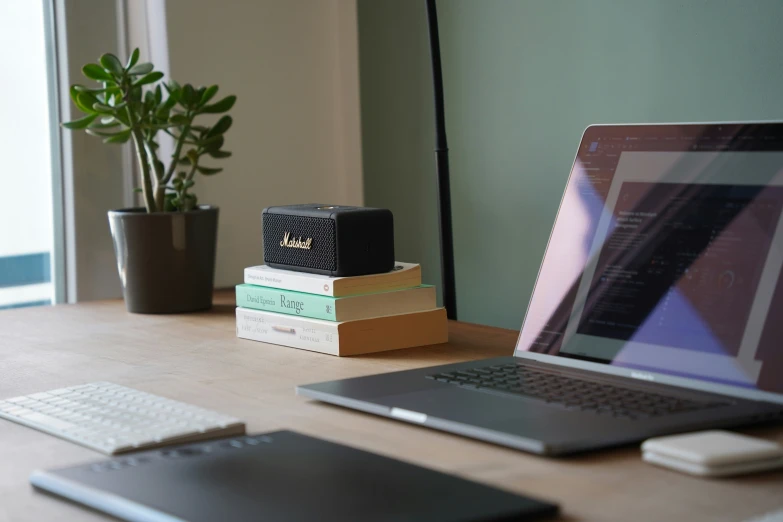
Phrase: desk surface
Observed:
(197, 358)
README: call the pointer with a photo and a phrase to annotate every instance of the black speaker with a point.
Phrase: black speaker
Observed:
(329, 239)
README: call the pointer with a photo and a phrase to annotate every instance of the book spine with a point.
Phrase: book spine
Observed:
(286, 302)
(286, 331)
(292, 282)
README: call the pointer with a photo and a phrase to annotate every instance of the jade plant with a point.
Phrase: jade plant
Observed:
(132, 103)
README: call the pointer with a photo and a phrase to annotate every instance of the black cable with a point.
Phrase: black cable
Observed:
(442, 167)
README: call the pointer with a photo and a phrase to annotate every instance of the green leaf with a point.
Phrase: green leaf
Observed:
(208, 171)
(213, 143)
(175, 93)
(184, 161)
(222, 106)
(189, 183)
(179, 119)
(148, 78)
(220, 127)
(158, 94)
(81, 123)
(82, 107)
(108, 124)
(102, 134)
(112, 64)
(95, 72)
(190, 202)
(188, 94)
(102, 108)
(82, 88)
(111, 137)
(85, 101)
(209, 93)
(138, 190)
(134, 57)
(123, 117)
(141, 68)
(169, 205)
(120, 137)
(219, 154)
(169, 103)
(133, 95)
(85, 97)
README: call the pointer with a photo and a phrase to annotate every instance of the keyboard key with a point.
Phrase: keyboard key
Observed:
(40, 418)
(572, 393)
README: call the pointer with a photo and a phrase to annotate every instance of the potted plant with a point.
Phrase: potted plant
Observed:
(166, 249)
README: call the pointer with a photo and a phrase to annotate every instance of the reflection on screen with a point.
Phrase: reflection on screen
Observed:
(666, 256)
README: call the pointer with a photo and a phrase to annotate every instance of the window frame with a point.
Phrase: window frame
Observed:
(88, 177)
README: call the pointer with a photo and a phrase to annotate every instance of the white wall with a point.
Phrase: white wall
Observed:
(293, 65)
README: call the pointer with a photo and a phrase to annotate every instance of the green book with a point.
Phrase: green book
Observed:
(350, 308)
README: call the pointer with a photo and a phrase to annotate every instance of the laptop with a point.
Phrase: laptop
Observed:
(658, 307)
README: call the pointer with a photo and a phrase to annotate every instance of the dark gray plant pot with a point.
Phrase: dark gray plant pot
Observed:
(166, 260)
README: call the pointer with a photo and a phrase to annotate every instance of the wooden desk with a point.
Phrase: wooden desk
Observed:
(197, 359)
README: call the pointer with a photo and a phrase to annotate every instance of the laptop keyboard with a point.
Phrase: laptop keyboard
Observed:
(571, 392)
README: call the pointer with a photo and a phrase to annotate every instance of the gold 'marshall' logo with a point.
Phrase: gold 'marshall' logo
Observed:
(296, 242)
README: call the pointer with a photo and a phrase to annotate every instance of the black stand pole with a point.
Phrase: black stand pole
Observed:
(442, 165)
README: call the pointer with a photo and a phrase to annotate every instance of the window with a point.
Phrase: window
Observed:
(27, 231)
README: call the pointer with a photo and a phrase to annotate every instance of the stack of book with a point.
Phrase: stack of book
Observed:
(339, 315)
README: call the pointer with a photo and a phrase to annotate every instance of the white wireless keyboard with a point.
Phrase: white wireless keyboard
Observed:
(114, 419)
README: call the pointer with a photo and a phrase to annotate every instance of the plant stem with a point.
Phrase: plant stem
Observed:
(141, 156)
(160, 195)
(177, 152)
(192, 170)
(156, 167)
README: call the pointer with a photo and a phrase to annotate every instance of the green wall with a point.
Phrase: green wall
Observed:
(523, 79)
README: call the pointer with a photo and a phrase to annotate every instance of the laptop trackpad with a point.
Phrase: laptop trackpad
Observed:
(467, 406)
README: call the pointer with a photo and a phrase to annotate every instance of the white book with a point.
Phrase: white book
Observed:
(378, 334)
(404, 275)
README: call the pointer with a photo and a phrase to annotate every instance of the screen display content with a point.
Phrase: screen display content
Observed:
(667, 255)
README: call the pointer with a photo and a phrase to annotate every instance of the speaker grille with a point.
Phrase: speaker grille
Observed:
(322, 255)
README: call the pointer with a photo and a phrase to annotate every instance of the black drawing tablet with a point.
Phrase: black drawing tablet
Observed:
(280, 476)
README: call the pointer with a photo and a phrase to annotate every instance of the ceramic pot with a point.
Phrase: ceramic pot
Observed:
(166, 260)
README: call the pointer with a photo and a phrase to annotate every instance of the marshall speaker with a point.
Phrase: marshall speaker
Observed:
(329, 239)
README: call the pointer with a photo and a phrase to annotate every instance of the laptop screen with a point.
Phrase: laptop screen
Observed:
(666, 255)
